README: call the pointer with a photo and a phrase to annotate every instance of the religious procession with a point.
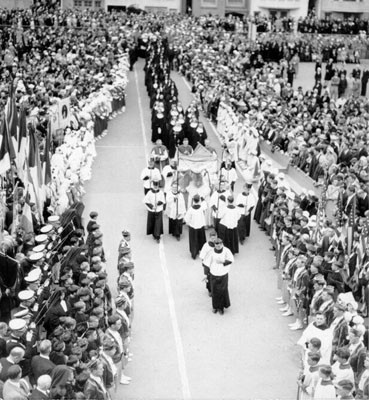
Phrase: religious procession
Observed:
(65, 333)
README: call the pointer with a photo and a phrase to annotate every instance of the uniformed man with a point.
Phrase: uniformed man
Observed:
(124, 243)
(27, 299)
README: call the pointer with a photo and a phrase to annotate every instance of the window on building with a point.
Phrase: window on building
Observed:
(328, 15)
(88, 3)
(235, 3)
(98, 4)
(77, 3)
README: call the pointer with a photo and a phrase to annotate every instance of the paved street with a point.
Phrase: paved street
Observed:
(181, 349)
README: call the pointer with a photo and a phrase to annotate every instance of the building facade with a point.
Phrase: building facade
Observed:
(148, 5)
(342, 8)
(280, 8)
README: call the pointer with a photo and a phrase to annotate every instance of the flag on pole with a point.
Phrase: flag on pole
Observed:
(22, 143)
(26, 220)
(46, 158)
(4, 148)
(35, 171)
(339, 212)
(11, 118)
(351, 226)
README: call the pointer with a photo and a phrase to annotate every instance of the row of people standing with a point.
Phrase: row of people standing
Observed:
(169, 121)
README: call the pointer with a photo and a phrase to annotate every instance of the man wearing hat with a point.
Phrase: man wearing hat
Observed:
(32, 280)
(124, 243)
(155, 201)
(22, 338)
(27, 299)
(246, 202)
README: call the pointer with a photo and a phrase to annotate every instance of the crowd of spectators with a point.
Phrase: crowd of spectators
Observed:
(63, 334)
(310, 24)
(45, 59)
(323, 266)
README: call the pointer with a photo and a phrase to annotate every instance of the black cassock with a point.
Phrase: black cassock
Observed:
(219, 292)
(154, 224)
(244, 225)
(175, 227)
(159, 130)
(197, 239)
(229, 237)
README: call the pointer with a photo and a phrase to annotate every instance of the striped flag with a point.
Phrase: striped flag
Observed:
(4, 148)
(11, 118)
(351, 226)
(46, 164)
(339, 212)
(26, 220)
(35, 171)
(22, 143)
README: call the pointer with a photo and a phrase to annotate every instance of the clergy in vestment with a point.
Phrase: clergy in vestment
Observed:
(205, 257)
(195, 219)
(150, 174)
(228, 225)
(245, 202)
(220, 260)
(218, 202)
(175, 210)
(154, 201)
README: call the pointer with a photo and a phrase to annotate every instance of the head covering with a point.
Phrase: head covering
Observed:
(33, 276)
(60, 375)
(17, 324)
(25, 295)
(46, 229)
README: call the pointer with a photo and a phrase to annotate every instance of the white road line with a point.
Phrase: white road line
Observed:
(210, 123)
(143, 131)
(173, 316)
(168, 287)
